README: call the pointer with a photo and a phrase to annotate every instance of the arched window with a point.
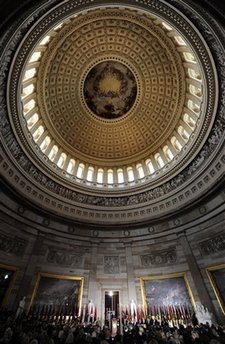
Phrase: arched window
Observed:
(120, 175)
(189, 57)
(196, 91)
(110, 176)
(30, 73)
(80, 171)
(90, 173)
(176, 144)
(130, 174)
(45, 40)
(29, 106)
(62, 160)
(53, 152)
(38, 133)
(179, 40)
(168, 153)
(71, 165)
(189, 121)
(150, 166)
(100, 175)
(159, 160)
(31, 121)
(140, 170)
(194, 74)
(44, 145)
(27, 90)
(183, 133)
(35, 56)
(193, 106)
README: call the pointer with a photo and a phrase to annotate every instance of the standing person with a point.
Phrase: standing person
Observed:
(20, 308)
(91, 311)
(133, 311)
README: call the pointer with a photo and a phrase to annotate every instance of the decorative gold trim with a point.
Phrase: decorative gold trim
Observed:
(65, 277)
(13, 279)
(167, 276)
(214, 285)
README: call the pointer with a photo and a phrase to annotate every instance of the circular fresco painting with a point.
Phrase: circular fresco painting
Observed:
(110, 89)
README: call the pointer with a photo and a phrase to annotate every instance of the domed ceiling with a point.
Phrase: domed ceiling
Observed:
(112, 105)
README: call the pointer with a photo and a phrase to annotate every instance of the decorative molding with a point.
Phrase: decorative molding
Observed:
(63, 258)
(213, 245)
(13, 246)
(158, 258)
(111, 265)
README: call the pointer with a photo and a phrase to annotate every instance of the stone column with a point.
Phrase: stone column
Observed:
(27, 283)
(130, 274)
(94, 293)
(195, 272)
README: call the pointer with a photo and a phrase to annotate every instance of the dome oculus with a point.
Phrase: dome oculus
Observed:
(110, 89)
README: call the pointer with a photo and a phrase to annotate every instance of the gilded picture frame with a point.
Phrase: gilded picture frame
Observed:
(216, 275)
(5, 294)
(56, 289)
(176, 282)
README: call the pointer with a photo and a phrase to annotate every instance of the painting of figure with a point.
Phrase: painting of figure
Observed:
(217, 278)
(57, 294)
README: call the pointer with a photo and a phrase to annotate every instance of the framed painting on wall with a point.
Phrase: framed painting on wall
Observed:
(7, 278)
(167, 296)
(57, 295)
(216, 276)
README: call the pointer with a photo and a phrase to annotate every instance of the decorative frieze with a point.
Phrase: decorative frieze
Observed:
(111, 264)
(158, 258)
(63, 258)
(216, 244)
(13, 246)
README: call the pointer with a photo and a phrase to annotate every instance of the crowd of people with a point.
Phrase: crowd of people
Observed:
(30, 330)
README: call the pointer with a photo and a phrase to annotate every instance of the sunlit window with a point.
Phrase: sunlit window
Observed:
(130, 174)
(100, 176)
(29, 73)
(32, 120)
(179, 40)
(194, 74)
(159, 160)
(71, 165)
(150, 166)
(90, 173)
(44, 145)
(189, 120)
(166, 26)
(29, 106)
(35, 56)
(196, 91)
(140, 170)
(189, 57)
(110, 176)
(53, 152)
(28, 90)
(80, 171)
(45, 40)
(183, 133)
(120, 175)
(38, 133)
(168, 153)
(61, 160)
(176, 144)
(193, 106)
